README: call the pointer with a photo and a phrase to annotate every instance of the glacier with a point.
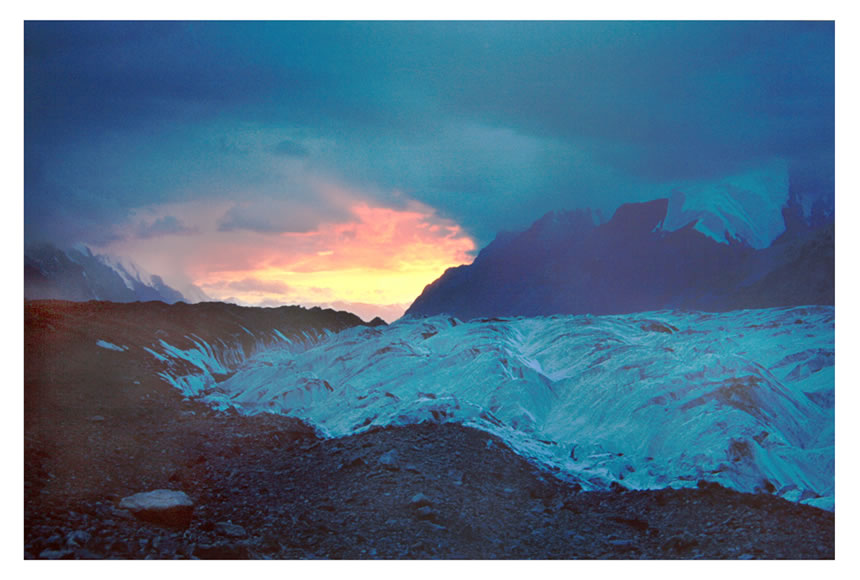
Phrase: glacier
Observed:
(648, 400)
(746, 207)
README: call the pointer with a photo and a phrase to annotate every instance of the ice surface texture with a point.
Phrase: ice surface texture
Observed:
(649, 400)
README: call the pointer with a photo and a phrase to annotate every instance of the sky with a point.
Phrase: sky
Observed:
(348, 164)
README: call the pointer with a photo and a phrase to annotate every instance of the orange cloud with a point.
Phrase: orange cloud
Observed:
(378, 259)
(386, 256)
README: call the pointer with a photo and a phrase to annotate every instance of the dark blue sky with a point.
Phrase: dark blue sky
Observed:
(491, 124)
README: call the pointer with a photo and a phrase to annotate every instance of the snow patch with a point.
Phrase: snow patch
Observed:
(111, 346)
(744, 207)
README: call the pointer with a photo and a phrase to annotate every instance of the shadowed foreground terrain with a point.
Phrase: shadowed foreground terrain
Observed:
(99, 427)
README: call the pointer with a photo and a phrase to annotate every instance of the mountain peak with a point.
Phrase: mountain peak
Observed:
(564, 264)
(556, 225)
(77, 274)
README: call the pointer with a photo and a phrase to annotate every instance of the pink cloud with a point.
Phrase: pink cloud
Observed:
(368, 255)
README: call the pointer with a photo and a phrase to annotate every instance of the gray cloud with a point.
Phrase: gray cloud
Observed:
(492, 123)
(300, 214)
(164, 226)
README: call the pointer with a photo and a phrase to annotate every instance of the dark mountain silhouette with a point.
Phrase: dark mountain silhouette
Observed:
(52, 273)
(565, 264)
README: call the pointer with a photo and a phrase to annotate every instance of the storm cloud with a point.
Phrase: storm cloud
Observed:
(491, 123)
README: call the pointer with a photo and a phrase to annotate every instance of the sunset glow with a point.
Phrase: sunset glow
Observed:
(350, 163)
(386, 256)
(374, 264)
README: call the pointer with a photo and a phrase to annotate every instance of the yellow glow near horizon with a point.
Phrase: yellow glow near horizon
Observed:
(376, 262)
(386, 257)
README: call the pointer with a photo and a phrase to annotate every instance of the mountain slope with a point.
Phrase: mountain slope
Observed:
(631, 263)
(79, 275)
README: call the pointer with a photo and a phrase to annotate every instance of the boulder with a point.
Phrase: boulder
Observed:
(77, 539)
(230, 530)
(389, 460)
(162, 506)
(419, 500)
(425, 513)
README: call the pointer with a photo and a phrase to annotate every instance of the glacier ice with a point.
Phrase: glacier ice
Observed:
(745, 207)
(111, 346)
(649, 400)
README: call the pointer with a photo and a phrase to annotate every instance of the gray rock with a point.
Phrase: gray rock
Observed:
(425, 513)
(230, 530)
(418, 500)
(619, 543)
(55, 541)
(57, 554)
(434, 526)
(78, 539)
(162, 506)
(389, 459)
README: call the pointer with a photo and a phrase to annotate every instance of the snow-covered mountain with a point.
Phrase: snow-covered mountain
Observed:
(646, 257)
(77, 274)
(749, 207)
(648, 400)
(742, 208)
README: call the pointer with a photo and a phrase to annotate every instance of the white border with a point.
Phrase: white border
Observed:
(846, 192)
